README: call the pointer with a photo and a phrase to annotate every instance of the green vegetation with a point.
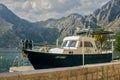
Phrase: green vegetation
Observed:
(100, 38)
(117, 42)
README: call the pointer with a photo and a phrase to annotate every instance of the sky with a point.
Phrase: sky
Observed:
(40, 10)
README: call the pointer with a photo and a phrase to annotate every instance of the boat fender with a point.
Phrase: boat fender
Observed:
(30, 44)
(26, 44)
(22, 45)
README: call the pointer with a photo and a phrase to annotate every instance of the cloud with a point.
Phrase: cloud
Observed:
(36, 10)
(61, 6)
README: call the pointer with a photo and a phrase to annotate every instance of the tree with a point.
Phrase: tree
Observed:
(117, 42)
(100, 37)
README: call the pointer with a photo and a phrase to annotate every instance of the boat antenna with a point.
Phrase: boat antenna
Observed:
(57, 42)
(83, 52)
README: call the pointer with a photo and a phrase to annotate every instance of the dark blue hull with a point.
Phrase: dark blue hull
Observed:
(41, 60)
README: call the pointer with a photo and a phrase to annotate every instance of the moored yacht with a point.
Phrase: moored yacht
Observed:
(75, 51)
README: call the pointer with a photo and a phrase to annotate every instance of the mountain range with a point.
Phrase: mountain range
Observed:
(14, 28)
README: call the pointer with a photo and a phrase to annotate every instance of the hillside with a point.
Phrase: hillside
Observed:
(13, 28)
(107, 14)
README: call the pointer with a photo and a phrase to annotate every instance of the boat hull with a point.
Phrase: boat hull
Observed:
(41, 60)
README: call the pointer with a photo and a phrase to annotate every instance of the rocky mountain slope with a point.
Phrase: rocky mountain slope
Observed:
(13, 28)
(107, 14)
(67, 25)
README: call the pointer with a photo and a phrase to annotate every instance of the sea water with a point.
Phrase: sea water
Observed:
(11, 58)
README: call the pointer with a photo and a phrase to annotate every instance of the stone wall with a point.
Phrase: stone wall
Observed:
(106, 71)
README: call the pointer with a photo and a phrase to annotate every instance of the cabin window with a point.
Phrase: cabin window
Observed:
(72, 44)
(64, 44)
(86, 44)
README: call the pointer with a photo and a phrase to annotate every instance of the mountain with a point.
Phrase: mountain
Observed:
(67, 25)
(11, 26)
(108, 17)
(14, 28)
(107, 14)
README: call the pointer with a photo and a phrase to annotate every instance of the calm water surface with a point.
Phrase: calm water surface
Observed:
(11, 58)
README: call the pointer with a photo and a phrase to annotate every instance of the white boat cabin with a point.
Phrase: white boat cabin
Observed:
(76, 45)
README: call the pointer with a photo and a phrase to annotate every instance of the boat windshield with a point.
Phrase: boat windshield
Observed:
(72, 44)
(64, 44)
